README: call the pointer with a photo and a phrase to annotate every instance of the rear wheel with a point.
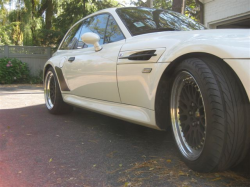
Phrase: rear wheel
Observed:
(53, 96)
(208, 109)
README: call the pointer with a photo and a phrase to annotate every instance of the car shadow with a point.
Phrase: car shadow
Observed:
(43, 149)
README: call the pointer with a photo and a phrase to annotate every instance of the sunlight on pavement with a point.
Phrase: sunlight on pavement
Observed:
(20, 96)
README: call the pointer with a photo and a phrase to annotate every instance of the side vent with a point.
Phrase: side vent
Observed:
(143, 55)
(62, 82)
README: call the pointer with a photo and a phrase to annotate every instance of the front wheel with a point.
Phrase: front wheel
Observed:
(188, 115)
(208, 109)
(53, 96)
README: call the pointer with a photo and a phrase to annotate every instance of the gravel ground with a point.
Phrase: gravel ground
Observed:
(88, 149)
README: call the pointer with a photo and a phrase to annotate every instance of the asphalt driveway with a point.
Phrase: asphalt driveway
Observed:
(88, 149)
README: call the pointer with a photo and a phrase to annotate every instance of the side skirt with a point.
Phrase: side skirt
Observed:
(134, 114)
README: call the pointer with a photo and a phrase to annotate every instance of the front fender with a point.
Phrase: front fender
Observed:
(223, 50)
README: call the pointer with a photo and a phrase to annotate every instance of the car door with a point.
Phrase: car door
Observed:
(93, 74)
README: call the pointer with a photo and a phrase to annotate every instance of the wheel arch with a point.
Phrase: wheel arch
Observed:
(163, 95)
(60, 77)
(179, 59)
(59, 106)
(45, 69)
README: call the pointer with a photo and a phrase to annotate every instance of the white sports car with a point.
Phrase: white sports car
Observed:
(159, 69)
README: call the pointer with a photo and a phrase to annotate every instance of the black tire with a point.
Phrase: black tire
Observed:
(53, 97)
(209, 114)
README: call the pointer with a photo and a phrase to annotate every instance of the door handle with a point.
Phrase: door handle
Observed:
(71, 59)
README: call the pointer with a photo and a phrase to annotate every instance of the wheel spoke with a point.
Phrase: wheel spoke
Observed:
(201, 133)
(185, 94)
(50, 92)
(183, 104)
(191, 115)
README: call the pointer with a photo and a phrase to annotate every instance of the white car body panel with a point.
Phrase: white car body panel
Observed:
(139, 115)
(233, 43)
(101, 77)
(242, 69)
(93, 74)
(137, 88)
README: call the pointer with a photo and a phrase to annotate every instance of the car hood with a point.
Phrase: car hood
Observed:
(225, 43)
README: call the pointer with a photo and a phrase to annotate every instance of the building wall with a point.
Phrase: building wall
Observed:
(217, 11)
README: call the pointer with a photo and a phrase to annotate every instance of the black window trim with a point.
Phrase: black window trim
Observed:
(107, 27)
(67, 34)
(81, 20)
(106, 30)
(78, 38)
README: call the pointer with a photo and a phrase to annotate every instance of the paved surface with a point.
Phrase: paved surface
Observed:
(88, 149)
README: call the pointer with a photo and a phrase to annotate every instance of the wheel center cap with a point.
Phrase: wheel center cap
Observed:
(197, 114)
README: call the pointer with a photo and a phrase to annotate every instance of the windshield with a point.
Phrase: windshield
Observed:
(146, 20)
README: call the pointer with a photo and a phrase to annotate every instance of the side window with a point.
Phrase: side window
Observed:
(70, 41)
(96, 24)
(113, 32)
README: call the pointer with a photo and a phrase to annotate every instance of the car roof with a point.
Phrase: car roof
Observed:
(111, 9)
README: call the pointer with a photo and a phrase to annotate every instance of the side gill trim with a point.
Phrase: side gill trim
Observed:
(61, 80)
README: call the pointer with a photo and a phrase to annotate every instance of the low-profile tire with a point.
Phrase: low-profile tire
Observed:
(210, 114)
(53, 97)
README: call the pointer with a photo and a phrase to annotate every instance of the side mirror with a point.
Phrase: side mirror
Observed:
(92, 38)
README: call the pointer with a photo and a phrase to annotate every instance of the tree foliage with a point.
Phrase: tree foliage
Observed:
(4, 28)
(164, 4)
(45, 22)
(194, 10)
(179, 6)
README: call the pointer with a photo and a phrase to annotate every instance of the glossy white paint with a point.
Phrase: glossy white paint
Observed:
(95, 78)
(137, 88)
(228, 43)
(225, 44)
(242, 69)
(158, 52)
(55, 61)
(92, 38)
(138, 115)
(93, 74)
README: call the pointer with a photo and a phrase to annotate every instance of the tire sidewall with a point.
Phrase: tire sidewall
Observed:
(58, 95)
(207, 153)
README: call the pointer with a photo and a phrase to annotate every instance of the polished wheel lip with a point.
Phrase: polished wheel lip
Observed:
(186, 150)
(47, 91)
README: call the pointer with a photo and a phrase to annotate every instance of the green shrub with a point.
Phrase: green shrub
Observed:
(14, 71)
(36, 79)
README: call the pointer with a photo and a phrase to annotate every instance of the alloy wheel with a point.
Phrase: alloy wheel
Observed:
(188, 115)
